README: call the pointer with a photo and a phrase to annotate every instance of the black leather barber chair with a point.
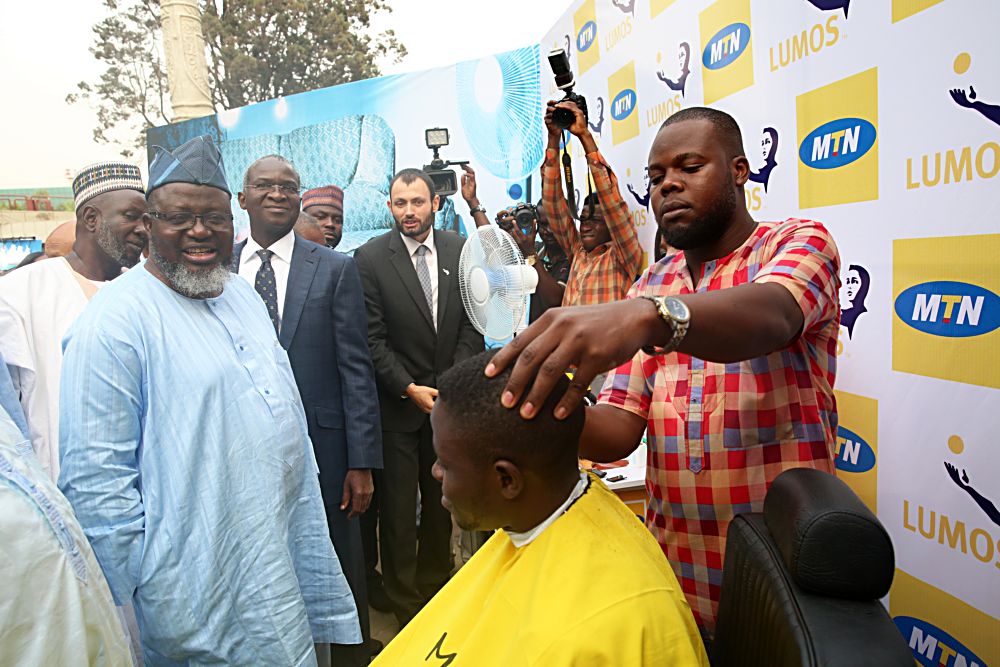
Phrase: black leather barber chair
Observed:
(802, 581)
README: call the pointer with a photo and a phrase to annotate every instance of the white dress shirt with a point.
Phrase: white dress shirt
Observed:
(432, 266)
(281, 262)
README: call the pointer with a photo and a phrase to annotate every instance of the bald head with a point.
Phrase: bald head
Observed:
(308, 228)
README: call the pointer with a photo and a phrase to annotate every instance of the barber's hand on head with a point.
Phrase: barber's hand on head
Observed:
(422, 396)
(526, 242)
(358, 490)
(469, 186)
(594, 339)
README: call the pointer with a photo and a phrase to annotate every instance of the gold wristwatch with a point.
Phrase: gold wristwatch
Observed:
(676, 314)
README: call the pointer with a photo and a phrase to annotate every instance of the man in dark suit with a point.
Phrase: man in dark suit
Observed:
(315, 300)
(417, 329)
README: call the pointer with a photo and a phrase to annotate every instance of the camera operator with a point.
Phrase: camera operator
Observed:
(605, 254)
(552, 268)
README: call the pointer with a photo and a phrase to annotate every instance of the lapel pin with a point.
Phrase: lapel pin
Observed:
(446, 272)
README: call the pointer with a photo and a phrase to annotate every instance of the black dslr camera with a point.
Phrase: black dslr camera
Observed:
(559, 62)
(523, 215)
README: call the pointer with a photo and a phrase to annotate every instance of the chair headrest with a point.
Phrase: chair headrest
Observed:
(830, 541)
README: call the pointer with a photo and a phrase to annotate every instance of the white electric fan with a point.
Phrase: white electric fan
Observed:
(494, 281)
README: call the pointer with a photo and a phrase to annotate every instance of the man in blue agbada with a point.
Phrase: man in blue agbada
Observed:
(184, 447)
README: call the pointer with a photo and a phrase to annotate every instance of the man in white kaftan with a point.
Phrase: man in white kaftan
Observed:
(40, 301)
(185, 451)
(55, 607)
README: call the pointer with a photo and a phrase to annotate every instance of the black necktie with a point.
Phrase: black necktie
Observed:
(266, 285)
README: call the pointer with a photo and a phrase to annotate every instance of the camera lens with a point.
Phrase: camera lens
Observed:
(562, 117)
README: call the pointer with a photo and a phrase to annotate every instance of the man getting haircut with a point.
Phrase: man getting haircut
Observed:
(526, 597)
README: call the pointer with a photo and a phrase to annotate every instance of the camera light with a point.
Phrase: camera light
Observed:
(436, 137)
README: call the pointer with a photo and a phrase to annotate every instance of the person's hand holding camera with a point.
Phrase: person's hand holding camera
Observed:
(579, 128)
(505, 219)
(525, 238)
(555, 132)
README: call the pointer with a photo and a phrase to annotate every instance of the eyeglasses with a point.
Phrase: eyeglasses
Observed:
(184, 220)
(284, 188)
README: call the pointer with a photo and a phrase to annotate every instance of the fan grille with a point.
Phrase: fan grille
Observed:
(493, 252)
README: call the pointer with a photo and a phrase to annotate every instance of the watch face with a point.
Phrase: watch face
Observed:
(677, 309)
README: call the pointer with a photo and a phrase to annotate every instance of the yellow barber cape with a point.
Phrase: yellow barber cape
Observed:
(593, 589)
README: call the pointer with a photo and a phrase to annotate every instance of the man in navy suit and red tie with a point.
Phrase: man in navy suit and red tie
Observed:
(316, 302)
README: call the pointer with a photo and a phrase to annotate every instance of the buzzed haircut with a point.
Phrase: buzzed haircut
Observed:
(726, 128)
(272, 156)
(493, 432)
(410, 175)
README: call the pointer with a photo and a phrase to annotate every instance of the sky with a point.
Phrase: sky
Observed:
(44, 53)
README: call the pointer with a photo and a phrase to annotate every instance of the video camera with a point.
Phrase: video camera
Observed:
(444, 179)
(559, 62)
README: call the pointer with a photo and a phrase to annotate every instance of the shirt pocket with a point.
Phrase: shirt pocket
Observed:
(761, 403)
(666, 431)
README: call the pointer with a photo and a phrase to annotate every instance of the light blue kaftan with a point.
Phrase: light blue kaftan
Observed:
(185, 455)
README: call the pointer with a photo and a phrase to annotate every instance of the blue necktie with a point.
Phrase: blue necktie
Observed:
(266, 285)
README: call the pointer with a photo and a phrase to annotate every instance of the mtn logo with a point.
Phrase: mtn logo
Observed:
(586, 36)
(726, 46)
(853, 453)
(932, 646)
(623, 104)
(949, 308)
(837, 143)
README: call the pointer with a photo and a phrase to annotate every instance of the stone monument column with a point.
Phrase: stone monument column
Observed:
(187, 71)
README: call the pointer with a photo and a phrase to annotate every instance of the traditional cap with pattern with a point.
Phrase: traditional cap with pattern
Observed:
(105, 177)
(328, 195)
(197, 161)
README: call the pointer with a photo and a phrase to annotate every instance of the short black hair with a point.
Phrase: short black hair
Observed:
(409, 175)
(494, 432)
(726, 127)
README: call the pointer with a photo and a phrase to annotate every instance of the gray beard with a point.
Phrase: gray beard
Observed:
(113, 246)
(192, 284)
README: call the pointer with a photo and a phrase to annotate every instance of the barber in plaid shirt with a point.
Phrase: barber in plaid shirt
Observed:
(724, 353)
(606, 255)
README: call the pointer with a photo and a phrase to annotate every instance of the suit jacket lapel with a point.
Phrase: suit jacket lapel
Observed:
(445, 264)
(234, 263)
(300, 277)
(400, 259)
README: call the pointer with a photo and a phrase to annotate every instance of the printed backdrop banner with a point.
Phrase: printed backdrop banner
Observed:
(357, 135)
(880, 119)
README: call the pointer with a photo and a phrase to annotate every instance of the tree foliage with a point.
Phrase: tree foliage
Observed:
(255, 49)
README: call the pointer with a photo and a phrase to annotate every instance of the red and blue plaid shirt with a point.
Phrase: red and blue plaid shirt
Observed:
(717, 433)
(605, 273)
